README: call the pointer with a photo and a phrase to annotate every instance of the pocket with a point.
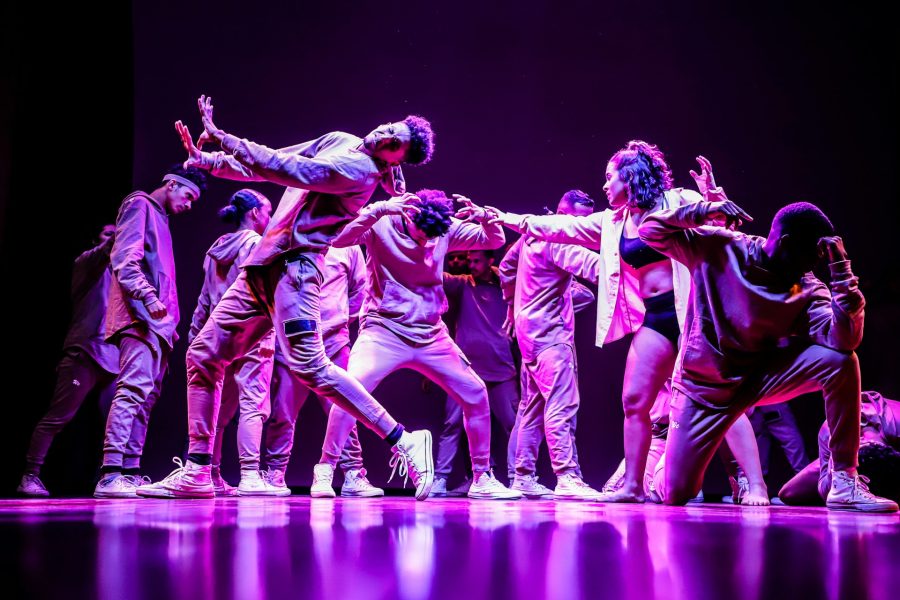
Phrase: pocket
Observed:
(404, 306)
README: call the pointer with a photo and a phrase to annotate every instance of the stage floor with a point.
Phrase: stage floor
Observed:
(401, 549)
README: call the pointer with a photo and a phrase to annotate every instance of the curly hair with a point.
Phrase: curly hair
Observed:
(643, 169)
(240, 203)
(881, 464)
(435, 212)
(197, 176)
(421, 145)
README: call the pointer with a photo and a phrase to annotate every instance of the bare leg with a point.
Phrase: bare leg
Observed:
(651, 359)
(741, 440)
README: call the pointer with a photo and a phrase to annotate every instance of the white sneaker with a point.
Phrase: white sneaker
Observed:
(254, 484)
(486, 487)
(156, 490)
(438, 488)
(570, 487)
(188, 481)
(356, 485)
(531, 487)
(849, 492)
(323, 474)
(222, 488)
(31, 485)
(412, 458)
(115, 485)
(275, 477)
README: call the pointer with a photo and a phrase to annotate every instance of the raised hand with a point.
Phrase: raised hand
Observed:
(726, 212)
(832, 248)
(405, 204)
(195, 157)
(705, 180)
(469, 211)
(204, 103)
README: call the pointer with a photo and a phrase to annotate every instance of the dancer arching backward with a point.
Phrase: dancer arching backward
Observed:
(537, 280)
(329, 179)
(343, 289)
(641, 292)
(141, 319)
(406, 239)
(763, 330)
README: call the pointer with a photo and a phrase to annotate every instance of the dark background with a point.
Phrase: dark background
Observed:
(528, 100)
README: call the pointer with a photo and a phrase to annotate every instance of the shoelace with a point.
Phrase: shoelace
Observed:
(177, 472)
(862, 487)
(140, 480)
(401, 460)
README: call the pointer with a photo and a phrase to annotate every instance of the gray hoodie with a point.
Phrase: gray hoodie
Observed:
(221, 267)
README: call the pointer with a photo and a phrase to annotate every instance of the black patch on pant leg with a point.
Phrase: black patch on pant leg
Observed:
(295, 327)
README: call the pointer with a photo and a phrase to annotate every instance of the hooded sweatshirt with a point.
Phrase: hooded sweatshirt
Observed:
(221, 267)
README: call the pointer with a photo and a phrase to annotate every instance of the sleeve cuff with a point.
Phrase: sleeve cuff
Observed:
(840, 270)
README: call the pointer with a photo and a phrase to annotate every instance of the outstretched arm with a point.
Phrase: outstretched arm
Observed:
(355, 231)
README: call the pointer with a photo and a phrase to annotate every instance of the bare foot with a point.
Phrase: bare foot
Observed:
(621, 496)
(757, 495)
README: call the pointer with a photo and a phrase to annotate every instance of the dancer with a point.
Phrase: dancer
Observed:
(89, 363)
(246, 388)
(763, 330)
(141, 319)
(480, 335)
(641, 292)
(406, 239)
(344, 286)
(329, 179)
(879, 456)
(537, 278)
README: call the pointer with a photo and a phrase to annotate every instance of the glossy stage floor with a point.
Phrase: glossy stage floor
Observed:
(401, 549)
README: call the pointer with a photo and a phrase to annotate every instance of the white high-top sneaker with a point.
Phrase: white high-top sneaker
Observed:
(569, 486)
(357, 485)
(254, 484)
(190, 481)
(412, 458)
(851, 492)
(323, 474)
(156, 490)
(486, 487)
(31, 485)
(531, 487)
(275, 477)
(115, 485)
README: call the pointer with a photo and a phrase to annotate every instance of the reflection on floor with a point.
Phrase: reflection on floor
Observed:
(401, 549)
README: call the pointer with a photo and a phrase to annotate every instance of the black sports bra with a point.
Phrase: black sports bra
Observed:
(638, 254)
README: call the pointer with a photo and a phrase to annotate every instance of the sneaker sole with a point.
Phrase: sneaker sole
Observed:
(32, 495)
(477, 496)
(867, 508)
(422, 494)
(155, 494)
(190, 494)
(370, 494)
(576, 498)
(259, 494)
(322, 494)
(111, 496)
